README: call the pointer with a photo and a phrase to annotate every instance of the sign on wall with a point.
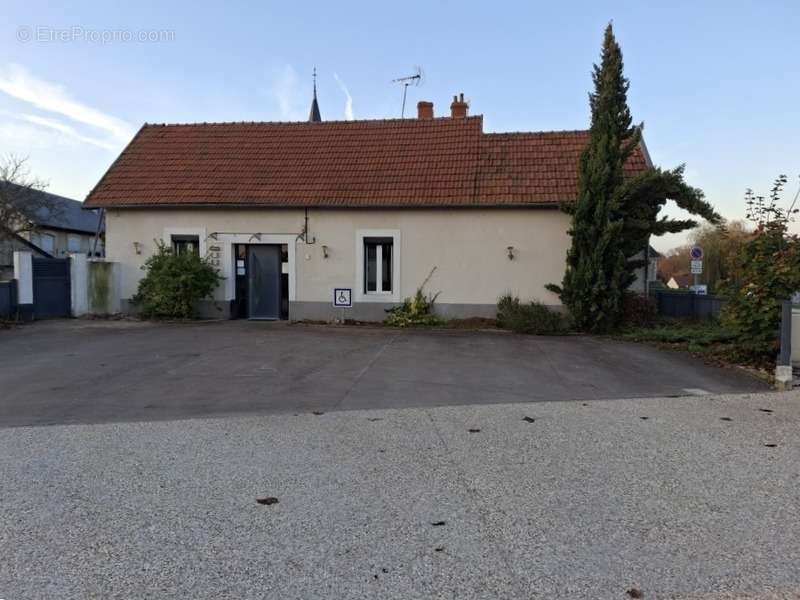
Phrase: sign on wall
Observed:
(343, 297)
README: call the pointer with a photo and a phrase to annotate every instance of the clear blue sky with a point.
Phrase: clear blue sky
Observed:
(716, 83)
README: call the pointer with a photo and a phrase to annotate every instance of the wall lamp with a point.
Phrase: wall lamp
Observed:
(137, 247)
(510, 252)
(324, 252)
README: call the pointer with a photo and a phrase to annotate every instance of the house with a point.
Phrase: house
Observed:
(60, 225)
(680, 281)
(12, 242)
(291, 212)
(649, 272)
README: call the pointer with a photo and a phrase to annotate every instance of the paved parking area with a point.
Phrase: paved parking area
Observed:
(77, 371)
(693, 497)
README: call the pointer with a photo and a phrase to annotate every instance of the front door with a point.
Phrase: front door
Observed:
(264, 281)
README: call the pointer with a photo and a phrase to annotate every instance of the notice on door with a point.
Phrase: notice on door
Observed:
(343, 297)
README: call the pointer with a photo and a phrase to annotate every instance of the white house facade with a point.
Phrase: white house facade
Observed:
(291, 212)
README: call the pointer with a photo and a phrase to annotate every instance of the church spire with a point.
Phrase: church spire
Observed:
(314, 115)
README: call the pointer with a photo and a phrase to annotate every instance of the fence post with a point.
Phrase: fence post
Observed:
(783, 370)
(23, 273)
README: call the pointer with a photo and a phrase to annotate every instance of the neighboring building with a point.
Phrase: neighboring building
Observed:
(290, 211)
(65, 229)
(10, 243)
(650, 274)
(681, 281)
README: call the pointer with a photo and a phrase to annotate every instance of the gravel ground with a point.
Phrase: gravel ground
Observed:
(589, 500)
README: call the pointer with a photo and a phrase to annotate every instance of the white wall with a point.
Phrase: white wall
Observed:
(468, 247)
(79, 284)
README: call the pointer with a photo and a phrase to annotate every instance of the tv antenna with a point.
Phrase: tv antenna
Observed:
(415, 80)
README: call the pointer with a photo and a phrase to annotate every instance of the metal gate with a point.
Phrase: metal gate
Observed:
(51, 288)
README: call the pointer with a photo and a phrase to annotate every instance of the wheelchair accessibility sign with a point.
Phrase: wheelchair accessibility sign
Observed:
(343, 297)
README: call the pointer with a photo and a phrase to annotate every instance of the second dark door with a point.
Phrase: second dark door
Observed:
(264, 281)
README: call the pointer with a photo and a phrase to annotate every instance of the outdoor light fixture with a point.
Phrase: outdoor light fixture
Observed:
(510, 252)
(324, 252)
(213, 236)
(137, 247)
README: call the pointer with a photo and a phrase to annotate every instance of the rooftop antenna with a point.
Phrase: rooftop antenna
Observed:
(415, 80)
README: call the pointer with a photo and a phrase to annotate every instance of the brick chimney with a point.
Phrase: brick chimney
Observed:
(458, 109)
(424, 110)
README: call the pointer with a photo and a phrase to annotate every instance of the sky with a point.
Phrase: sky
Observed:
(715, 82)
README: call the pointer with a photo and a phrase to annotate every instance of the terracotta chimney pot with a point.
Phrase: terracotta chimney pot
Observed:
(458, 109)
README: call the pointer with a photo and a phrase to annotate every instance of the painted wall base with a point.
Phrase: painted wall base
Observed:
(325, 311)
(376, 311)
(206, 309)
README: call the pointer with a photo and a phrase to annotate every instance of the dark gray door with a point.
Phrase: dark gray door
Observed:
(51, 288)
(264, 281)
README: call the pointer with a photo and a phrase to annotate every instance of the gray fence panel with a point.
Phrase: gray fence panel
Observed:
(682, 305)
(51, 288)
(8, 298)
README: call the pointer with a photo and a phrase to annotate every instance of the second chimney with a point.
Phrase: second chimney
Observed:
(458, 109)
(424, 110)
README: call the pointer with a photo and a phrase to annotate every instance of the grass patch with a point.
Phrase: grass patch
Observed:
(707, 339)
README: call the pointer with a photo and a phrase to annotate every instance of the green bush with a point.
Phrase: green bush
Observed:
(770, 272)
(766, 271)
(534, 317)
(414, 312)
(174, 283)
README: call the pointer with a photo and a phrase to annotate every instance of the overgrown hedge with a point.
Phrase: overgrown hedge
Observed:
(174, 283)
(533, 317)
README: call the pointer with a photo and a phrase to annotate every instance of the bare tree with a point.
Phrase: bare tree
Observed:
(22, 201)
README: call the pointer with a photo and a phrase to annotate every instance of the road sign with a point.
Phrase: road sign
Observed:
(696, 253)
(697, 267)
(343, 297)
(701, 290)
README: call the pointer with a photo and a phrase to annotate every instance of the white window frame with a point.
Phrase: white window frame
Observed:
(394, 295)
(200, 232)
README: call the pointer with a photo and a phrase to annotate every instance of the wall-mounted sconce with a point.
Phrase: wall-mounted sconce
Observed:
(510, 252)
(137, 247)
(213, 236)
(324, 252)
(255, 236)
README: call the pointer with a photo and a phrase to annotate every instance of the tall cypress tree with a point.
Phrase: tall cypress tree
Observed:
(613, 219)
(593, 287)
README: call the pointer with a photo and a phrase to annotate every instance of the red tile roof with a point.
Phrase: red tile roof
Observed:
(441, 162)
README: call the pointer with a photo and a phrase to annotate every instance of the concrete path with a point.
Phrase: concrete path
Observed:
(96, 371)
(691, 497)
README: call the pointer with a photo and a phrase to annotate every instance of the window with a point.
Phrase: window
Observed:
(186, 243)
(48, 243)
(378, 265)
(73, 243)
